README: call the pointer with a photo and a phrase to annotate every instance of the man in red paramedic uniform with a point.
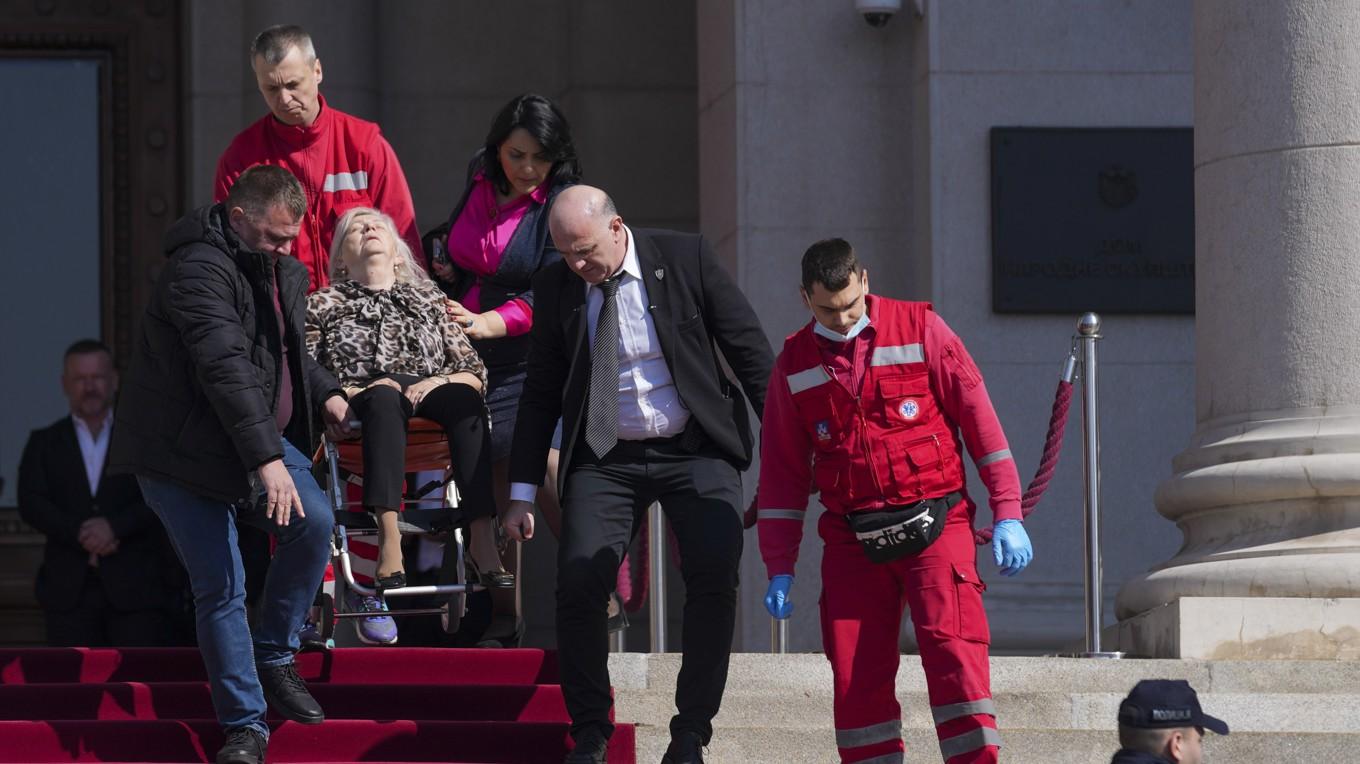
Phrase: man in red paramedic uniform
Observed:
(872, 404)
(342, 161)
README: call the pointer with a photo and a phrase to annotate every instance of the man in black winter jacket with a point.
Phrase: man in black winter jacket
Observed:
(216, 419)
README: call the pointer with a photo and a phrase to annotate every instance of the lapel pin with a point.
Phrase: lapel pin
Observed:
(660, 273)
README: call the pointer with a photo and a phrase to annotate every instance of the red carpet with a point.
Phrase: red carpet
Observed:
(382, 705)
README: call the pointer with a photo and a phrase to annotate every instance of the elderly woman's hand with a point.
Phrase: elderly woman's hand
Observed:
(417, 392)
(385, 381)
(465, 378)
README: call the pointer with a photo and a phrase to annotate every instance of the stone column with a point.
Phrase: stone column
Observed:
(1267, 494)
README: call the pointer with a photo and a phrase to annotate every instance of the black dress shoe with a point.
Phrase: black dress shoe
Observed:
(287, 694)
(245, 745)
(590, 748)
(685, 748)
(492, 579)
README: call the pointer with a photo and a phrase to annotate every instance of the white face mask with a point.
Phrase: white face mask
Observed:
(835, 336)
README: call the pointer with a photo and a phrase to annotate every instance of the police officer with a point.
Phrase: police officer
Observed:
(872, 404)
(1160, 722)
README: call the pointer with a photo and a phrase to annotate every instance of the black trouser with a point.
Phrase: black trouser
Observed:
(602, 504)
(95, 622)
(457, 408)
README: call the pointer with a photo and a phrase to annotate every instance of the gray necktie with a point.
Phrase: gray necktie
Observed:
(602, 407)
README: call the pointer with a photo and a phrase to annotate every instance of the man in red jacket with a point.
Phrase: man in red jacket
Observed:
(342, 161)
(872, 404)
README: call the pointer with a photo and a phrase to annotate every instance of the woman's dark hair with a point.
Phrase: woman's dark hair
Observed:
(542, 119)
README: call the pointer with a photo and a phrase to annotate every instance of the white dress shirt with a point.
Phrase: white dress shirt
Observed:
(649, 404)
(93, 448)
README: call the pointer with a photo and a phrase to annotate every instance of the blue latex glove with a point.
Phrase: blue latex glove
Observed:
(777, 596)
(1010, 547)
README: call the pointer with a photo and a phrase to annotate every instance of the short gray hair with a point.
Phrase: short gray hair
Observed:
(407, 269)
(274, 43)
(262, 187)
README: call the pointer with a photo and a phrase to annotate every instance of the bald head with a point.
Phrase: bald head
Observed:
(579, 204)
(587, 230)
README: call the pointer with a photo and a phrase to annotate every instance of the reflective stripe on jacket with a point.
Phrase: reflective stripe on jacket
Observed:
(887, 442)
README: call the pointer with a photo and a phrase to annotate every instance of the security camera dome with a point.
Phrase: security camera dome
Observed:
(878, 12)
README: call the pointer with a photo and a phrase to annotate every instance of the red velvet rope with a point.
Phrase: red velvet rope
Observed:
(1048, 463)
(631, 596)
(633, 580)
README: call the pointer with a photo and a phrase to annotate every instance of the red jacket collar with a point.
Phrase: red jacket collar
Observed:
(301, 135)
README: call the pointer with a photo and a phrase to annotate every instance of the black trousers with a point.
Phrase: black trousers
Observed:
(602, 503)
(95, 622)
(457, 408)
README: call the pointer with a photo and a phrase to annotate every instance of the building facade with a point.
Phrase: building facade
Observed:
(766, 125)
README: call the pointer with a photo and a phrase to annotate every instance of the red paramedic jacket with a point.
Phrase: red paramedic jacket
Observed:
(342, 162)
(895, 443)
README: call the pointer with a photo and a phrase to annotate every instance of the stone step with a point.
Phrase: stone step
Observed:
(777, 708)
(802, 746)
(1246, 712)
(810, 672)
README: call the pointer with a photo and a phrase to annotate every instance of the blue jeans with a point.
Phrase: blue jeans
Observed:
(203, 532)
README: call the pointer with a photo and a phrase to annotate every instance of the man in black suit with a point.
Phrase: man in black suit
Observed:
(102, 580)
(622, 348)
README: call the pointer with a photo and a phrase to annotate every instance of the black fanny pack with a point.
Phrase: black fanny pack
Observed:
(897, 532)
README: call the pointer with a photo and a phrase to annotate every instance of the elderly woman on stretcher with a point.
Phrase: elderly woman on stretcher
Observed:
(382, 328)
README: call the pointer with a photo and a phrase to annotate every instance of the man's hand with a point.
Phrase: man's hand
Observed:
(281, 496)
(337, 415)
(1011, 550)
(417, 392)
(443, 270)
(97, 537)
(777, 601)
(519, 521)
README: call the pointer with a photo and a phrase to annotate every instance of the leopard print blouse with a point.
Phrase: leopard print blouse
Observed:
(360, 333)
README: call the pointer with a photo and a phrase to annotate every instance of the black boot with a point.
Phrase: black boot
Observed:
(245, 745)
(685, 748)
(287, 694)
(590, 748)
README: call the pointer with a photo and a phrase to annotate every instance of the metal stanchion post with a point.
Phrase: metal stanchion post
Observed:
(1088, 331)
(656, 554)
(779, 635)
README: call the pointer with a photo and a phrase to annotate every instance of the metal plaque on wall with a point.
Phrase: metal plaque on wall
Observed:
(1096, 219)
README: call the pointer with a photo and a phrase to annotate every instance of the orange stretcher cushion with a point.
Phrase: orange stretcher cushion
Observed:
(426, 449)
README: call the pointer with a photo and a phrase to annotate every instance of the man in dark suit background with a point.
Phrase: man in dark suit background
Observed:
(622, 348)
(103, 576)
